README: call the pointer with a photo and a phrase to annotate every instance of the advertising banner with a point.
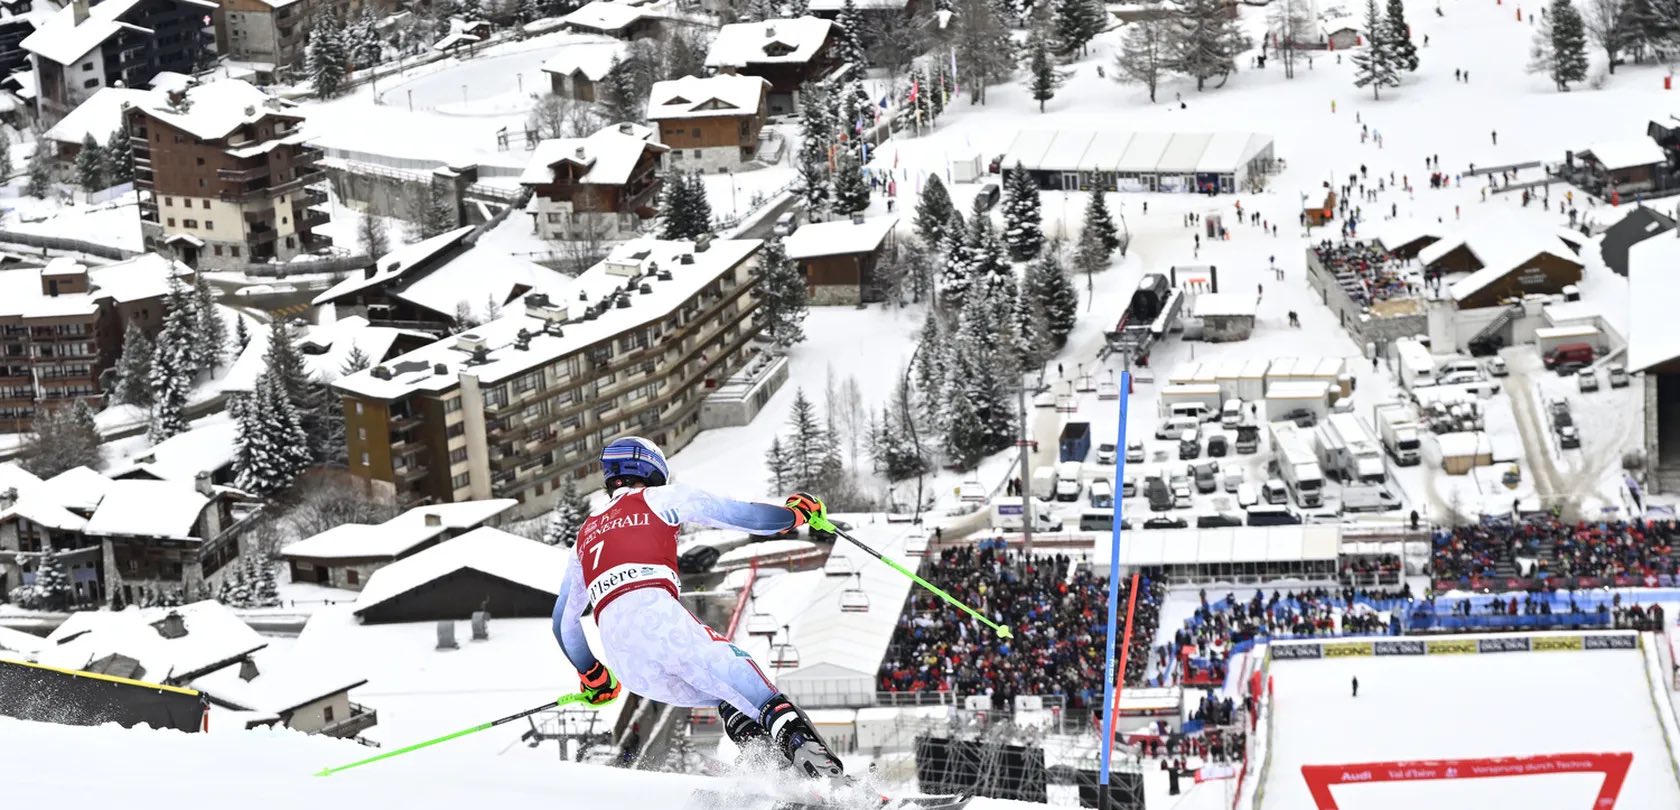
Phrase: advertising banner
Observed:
(1347, 649)
(1398, 648)
(1614, 766)
(1287, 651)
(1459, 646)
(1494, 645)
(1626, 641)
(1550, 643)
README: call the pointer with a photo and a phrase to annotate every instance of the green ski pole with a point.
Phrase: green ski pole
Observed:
(1003, 632)
(575, 697)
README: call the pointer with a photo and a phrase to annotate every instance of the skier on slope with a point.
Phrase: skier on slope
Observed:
(627, 561)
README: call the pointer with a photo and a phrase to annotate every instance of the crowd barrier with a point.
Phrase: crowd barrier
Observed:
(1285, 651)
(1428, 622)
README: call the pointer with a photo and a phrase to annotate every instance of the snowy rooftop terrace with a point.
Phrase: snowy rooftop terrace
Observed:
(146, 276)
(396, 536)
(652, 278)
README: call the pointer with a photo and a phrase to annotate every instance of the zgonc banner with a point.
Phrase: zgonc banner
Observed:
(1614, 766)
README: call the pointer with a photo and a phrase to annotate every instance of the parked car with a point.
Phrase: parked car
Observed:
(786, 224)
(1160, 497)
(1165, 523)
(1188, 446)
(1461, 377)
(1105, 453)
(1181, 496)
(1218, 446)
(1207, 476)
(1128, 485)
(1587, 380)
(698, 560)
(1274, 492)
(1618, 377)
(1569, 437)
(1567, 369)
(1247, 495)
(1134, 450)
(1559, 410)
(1272, 516)
(1578, 354)
(1218, 520)
(988, 196)
(1496, 367)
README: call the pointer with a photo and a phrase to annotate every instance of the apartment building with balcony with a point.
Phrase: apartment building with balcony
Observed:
(61, 327)
(114, 43)
(514, 407)
(268, 36)
(600, 187)
(225, 177)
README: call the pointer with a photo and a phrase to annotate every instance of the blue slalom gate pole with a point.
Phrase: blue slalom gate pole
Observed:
(1113, 596)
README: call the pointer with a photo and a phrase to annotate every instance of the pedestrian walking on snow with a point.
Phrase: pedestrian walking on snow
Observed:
(1356, 686)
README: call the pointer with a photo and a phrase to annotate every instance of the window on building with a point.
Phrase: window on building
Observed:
(235, 250)
(209, 226)
(201, 161)
(458, 455)
(201, 182)
(216, 249)
(171, 222)
(450, 405)
(205, 203)
(364, 460)
(696, 153)
(169, 202)
(460, 481)
(361, 434)
(351, 576)
(358, 405)
(189, 223)
(327, 711)
(87, 66)
(694, 133)
(457, 429)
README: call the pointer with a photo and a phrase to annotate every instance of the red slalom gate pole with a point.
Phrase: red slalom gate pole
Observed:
(1126, 643)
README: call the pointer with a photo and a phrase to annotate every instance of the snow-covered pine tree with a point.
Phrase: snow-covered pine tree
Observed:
(981, 416)
(40, 170)
(134, 386)
(5, 155)
(895, 449)
(119, 157)
(211, 338)
(1032, 335)
(1049, 286)
(851, 192)
(469, 10)
(529, 10)
(1023, 220)
(90, 164)
(240, 333)
(571, 509)
(173, 364)
(284, 358)
(1374, 66)
(621, 95)
(779, 466)
(52, 580)
(1640, 26)
(1605, 28)
(268, 589)
(326, 56)
(931, 356)
(440, 214)
(797, 8)
(1099, 220)
(1077, 23)
(1042, 77)
(848, 37)
(272, 448)
(1091, 254)
(808, 445)
(700, 207)
(356, 360)
(759, 11)
(816, 133)
(1399, 34)
(936, 216)
(1569, 44)
(781, 295)
(1204, 41)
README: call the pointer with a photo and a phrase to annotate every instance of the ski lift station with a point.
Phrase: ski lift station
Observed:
(1080, 160)
(822, 632)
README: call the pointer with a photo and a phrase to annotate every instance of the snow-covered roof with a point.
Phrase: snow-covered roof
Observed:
(604, 15)
(1151, 548)
(62, 40)
(99, 116)
(397, 536)
(36, 502)
(872, 5)
(213, 637)
(79, 488)
(20, 642)
(282, 682)
(1653, 287)
(144, 276)
(711, 97)
(1626, 153)
(207, 448)
(609, 155)
(1106, 150)
(1404, 231)
(141, 508)
(781, 41)
(167, 80)
(1500, 240)
(1225, 304)
(326, 347)
(1462, 444)
(840, 237)
(630, 266)
(217, 108)
(22, 296)
(593, 59)
(487, 550)
(476, 275)
(764, 548)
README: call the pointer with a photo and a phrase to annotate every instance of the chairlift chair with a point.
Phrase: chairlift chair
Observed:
(760, 623)
(1065, 404)
(784, 655)
(838, 566)
(854, 599)
(916, 545)
(1108, 389)
(1086, 384)
(1044, 399)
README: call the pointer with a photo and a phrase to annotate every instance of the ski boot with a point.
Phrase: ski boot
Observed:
(799, 742)
(752, 739)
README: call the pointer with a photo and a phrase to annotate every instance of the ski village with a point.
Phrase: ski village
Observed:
(840, 404)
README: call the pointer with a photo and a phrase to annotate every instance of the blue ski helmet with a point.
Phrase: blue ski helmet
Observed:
(634, 457)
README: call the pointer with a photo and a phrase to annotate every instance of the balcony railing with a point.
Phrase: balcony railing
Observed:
(361, 719)
(243, 175)
(310, 196)
(312, 218)
(254, 216)
(268, 191)
(262, 236)
(403, 421)
(413, 472)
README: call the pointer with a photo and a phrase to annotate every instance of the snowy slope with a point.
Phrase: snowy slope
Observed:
(274, 769)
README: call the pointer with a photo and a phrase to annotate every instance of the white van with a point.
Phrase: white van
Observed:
(785, 224)
(1102, 494)
(1274, 492)
(1198, 411)
(1067, 480)
(1231, 415)
(1230, 477)
(1174, 426)
(1044, 483)
(1247, 495)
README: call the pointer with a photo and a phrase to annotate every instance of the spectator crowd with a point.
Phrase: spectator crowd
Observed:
(1365, 271)
(1544, 547)
(1056, 610)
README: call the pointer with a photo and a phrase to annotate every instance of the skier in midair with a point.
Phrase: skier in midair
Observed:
(626, 569)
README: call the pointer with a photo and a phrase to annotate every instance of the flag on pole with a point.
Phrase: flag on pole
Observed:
(915, 89)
